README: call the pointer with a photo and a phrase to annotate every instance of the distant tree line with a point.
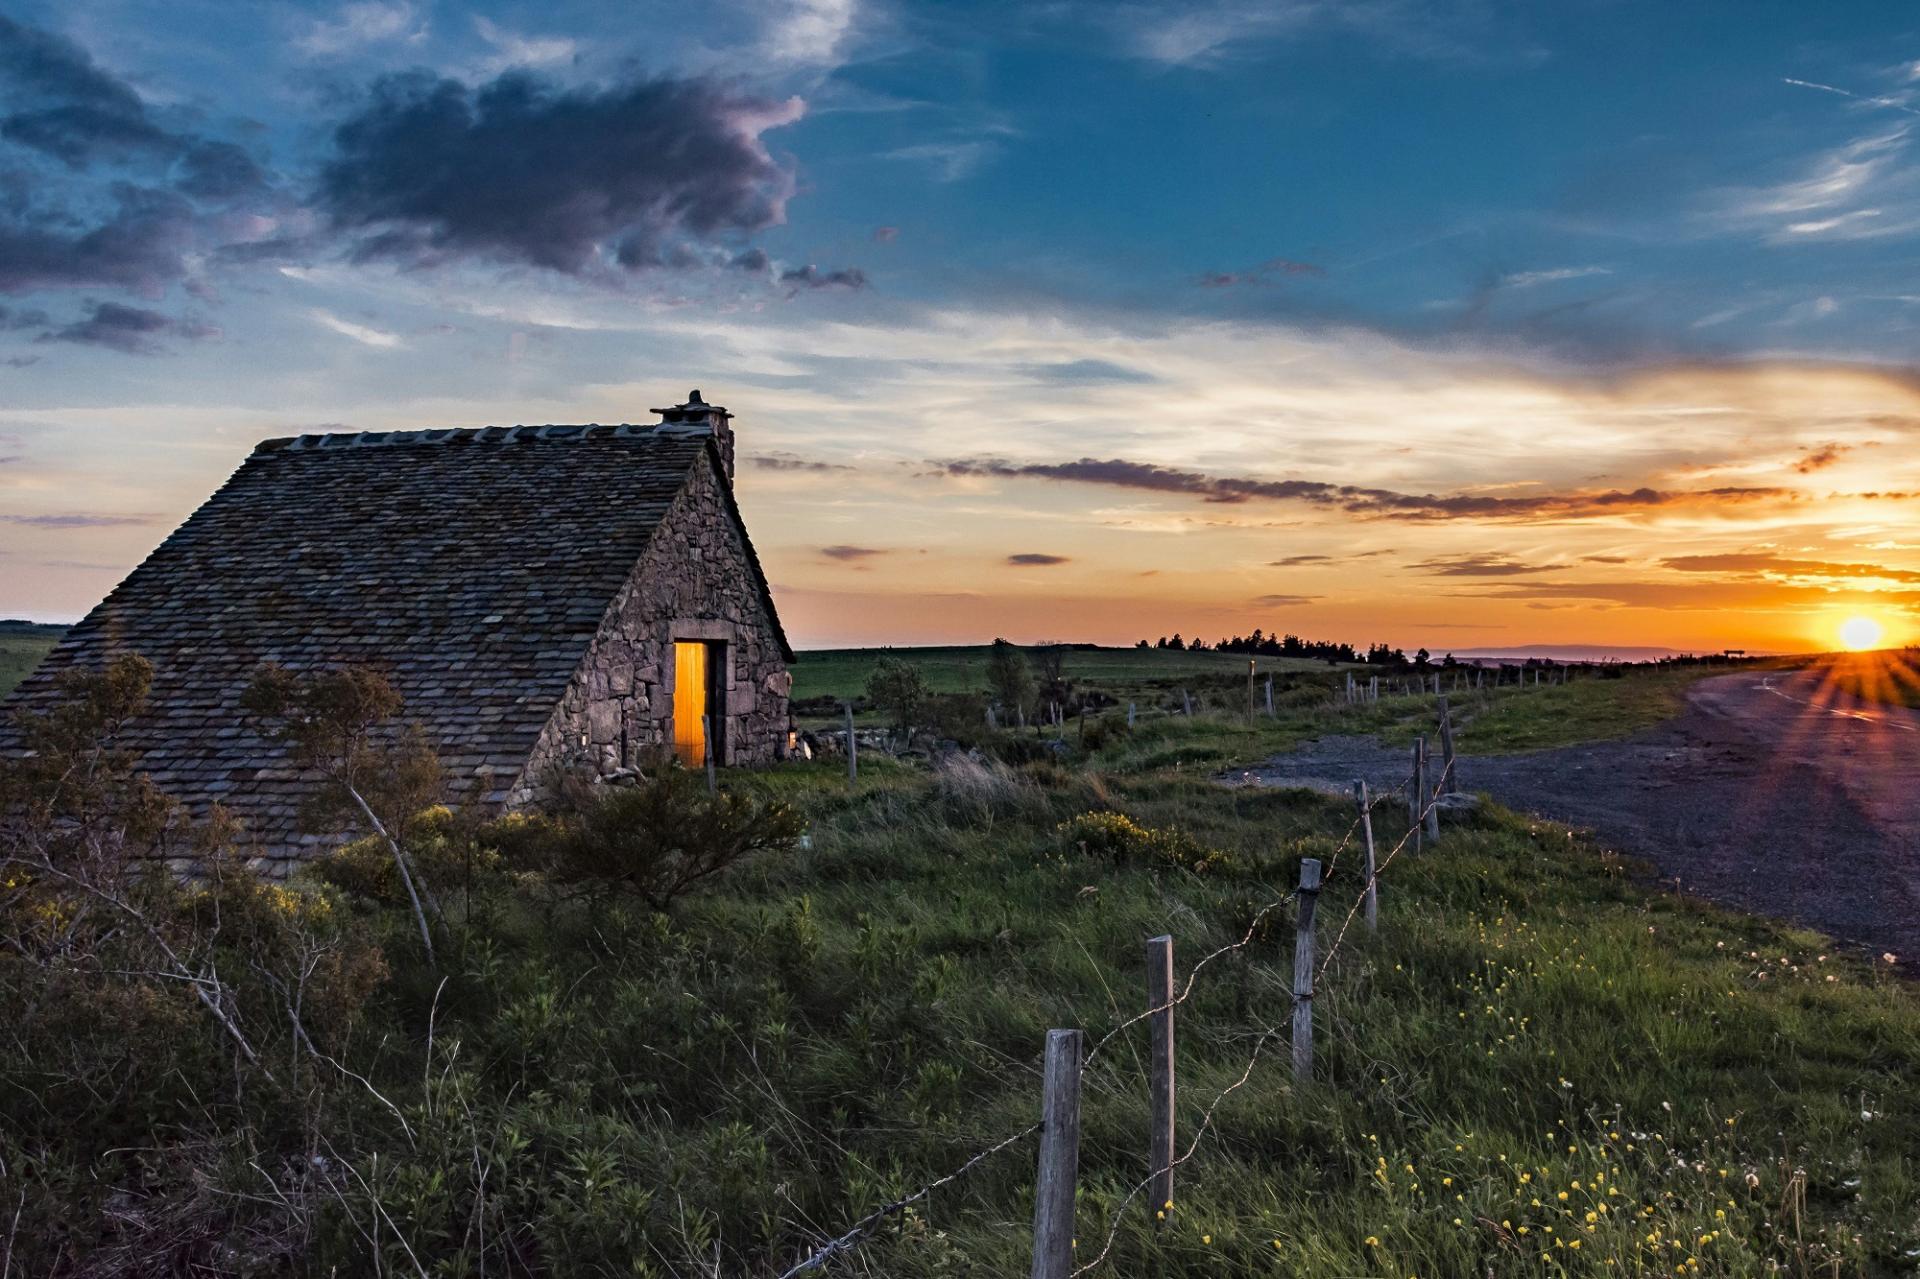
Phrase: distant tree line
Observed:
(1260, 644)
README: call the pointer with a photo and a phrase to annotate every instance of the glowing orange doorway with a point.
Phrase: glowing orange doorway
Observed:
(698, 702)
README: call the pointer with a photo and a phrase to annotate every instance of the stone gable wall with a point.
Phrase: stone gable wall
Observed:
(694, 582)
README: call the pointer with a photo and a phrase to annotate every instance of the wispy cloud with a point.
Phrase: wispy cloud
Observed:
(512, 49)
(1493, 565)
(1035, 559)
(949, 161)
(1768, 563)
(809, 33)
(78, 519)
(364, 334)
(849, 554)
(360, 24)
(1864, 188)
(1358, 500)
(1531, 279)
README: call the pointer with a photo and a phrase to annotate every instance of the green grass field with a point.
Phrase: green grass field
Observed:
(842, 672)
(21, 651)
(1540, 1066)
(1537, 1066)
(1308, 702)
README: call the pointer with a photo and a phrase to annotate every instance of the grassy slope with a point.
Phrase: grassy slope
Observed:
(1530, 1038)
(1489, 722)
(20, 653)
(962, 669)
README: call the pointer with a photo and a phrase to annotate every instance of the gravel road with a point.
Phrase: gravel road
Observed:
(1770, 792)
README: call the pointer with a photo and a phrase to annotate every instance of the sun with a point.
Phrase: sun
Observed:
(1860, 633)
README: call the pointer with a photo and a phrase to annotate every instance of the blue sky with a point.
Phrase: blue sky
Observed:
(1455, 324)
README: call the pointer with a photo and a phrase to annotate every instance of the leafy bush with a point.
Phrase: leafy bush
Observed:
(899, 689)
(657, 839)
(1010, 678)
(1120, 838)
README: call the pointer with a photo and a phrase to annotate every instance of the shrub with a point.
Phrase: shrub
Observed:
(899, 689)
(1120, 838)
(1010, 677)
(657, 839)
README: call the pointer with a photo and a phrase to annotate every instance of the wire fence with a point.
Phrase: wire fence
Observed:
(1423, 798)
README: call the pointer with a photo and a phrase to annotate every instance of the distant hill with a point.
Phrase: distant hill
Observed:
(20, 626)
(1567, 652)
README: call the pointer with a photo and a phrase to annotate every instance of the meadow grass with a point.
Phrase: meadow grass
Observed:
(20, 653)
(842, 673)
(1539, 1065)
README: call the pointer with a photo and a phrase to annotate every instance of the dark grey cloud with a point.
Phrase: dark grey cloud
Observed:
(1305, 561)
(1265, 273)
(1371, 503)
(131, 329)
(1283, 601)
(792, 462)
(58, 102)
(1085, 371)
(141, 247)
(1480, 566)
(55, 100)
(77, 519)
(98, 192)
(518, 171)
(812, 277)
(849, 554)
(1035, 559)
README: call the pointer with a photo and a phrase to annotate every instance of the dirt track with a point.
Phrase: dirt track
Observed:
(1768, 793)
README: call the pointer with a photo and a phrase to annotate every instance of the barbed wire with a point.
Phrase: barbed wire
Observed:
(1267, 1034)
(856, 1233)
(833, 1247)
(1413, 830)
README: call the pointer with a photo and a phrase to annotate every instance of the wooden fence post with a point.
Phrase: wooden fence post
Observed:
(1250, 706)
(1415, 786)
(1447, 756)
(1372, 895)
(853, 748)
(1303, 971)
(706, 749)
(1160, 1073)
(991, 724)
(1269, 697)
(1427, 780)
(1129, 714)
(1059, 1157)
(1187, 702)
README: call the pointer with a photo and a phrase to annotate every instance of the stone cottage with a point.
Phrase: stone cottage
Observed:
(543, 597)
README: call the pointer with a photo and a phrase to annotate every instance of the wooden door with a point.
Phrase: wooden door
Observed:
(691, 682)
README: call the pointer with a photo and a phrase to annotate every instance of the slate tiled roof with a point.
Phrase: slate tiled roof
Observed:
(473, 567)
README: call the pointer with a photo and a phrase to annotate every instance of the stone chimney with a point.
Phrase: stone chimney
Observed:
(698, 416)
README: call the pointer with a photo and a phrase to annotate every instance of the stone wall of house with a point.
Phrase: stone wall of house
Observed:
(695, 582)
